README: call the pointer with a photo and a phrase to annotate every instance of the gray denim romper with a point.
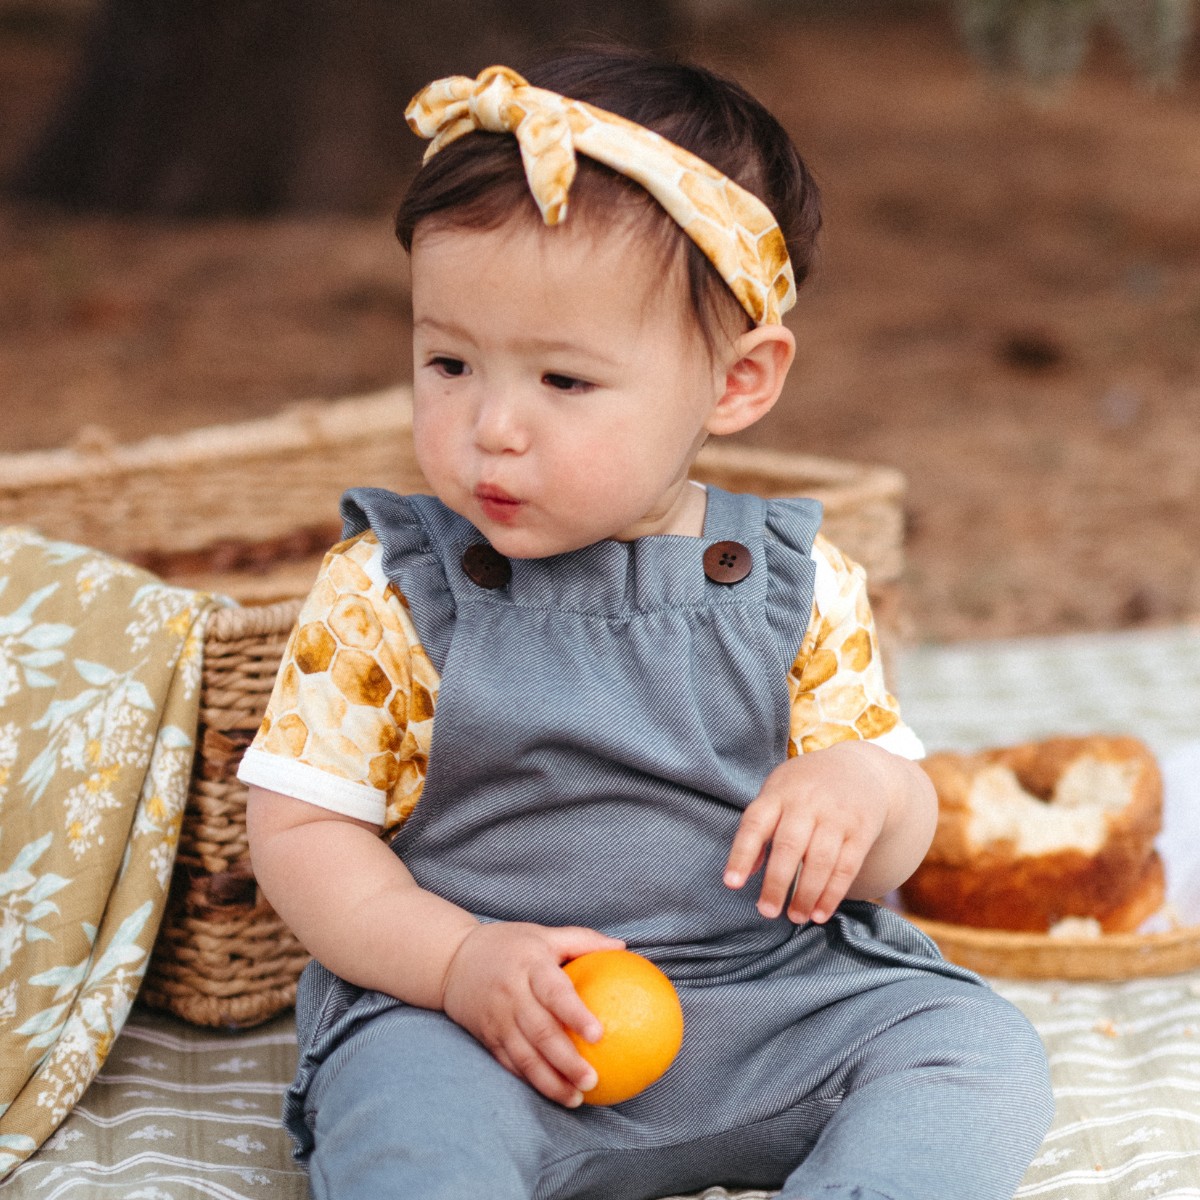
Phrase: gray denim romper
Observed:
(603, 719)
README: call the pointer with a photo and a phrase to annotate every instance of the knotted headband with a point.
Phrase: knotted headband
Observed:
(734, 229)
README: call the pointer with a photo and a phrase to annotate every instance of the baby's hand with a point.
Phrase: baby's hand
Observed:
(820, 814)
(506, 986)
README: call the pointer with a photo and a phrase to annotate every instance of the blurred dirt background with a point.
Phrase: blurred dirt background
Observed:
(1007, 309)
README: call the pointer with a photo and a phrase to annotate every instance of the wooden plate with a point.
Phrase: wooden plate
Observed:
(1109, 956)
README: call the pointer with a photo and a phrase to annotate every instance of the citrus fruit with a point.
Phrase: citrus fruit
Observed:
(643, 1022)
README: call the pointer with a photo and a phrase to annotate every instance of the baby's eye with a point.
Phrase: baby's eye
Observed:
(449, 368)
(566, 383)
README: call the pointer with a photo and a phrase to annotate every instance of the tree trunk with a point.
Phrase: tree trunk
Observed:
(265, 106)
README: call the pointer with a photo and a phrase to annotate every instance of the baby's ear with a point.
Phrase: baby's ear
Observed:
(757, 366)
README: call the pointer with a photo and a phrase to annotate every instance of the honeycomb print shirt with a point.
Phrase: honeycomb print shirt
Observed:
(350, 721)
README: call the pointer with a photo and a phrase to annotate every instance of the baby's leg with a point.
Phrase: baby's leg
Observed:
(947, 1097)
(413, 1105)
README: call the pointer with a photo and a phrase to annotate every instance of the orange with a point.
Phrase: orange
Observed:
(643, 1022)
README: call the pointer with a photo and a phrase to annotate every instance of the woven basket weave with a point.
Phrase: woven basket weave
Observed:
(246, 510)
(223, 956)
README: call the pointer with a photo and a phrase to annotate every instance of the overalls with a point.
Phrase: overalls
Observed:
(603, 719)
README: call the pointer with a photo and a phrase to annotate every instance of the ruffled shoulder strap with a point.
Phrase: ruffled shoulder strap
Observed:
(790, 527)
(413, 532)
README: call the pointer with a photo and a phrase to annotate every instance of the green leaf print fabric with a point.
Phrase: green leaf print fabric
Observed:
(99, 699)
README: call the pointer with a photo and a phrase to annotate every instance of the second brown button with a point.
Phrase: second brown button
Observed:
(486, 566)
(727, 562)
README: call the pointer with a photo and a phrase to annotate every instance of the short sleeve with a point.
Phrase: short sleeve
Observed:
(836, 683)
(349, 721)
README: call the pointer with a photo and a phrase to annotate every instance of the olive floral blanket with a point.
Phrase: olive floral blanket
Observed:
(99, 698)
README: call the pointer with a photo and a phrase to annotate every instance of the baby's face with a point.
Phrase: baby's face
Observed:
(560, 390)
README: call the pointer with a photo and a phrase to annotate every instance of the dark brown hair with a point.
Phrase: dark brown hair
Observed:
(478, 181)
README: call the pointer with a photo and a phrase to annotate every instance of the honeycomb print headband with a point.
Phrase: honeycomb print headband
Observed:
(734, 229)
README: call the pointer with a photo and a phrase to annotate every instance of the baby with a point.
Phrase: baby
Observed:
(591, 704)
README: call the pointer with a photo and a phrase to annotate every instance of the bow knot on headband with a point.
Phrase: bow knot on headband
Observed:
(734, 229)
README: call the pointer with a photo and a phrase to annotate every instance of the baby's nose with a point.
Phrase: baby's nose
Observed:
(501, 425)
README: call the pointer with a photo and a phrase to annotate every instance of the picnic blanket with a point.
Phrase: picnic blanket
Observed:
(179, 1112)
(99, 697)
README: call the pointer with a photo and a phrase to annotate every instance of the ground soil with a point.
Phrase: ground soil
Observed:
(1007, 308)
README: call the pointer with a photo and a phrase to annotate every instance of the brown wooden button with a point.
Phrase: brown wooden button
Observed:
(727, 562)
(486, 566)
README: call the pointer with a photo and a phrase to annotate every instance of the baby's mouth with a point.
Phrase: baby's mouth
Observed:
(497, 504)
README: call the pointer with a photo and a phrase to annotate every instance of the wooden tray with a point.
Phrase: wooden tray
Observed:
(1109, 956)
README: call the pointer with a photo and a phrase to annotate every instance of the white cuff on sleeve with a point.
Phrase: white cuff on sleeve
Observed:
(313, 786)
(901, 740)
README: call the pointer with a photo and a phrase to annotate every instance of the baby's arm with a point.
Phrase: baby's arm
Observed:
(847, 811)
(854, 820)
(356, 907)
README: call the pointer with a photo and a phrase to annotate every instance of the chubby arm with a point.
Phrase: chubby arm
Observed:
(853, 821)
(357, 908)
(352, 903)
(849, 816)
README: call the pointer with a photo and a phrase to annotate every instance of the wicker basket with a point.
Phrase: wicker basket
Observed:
(247, 510)
(223, 956)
